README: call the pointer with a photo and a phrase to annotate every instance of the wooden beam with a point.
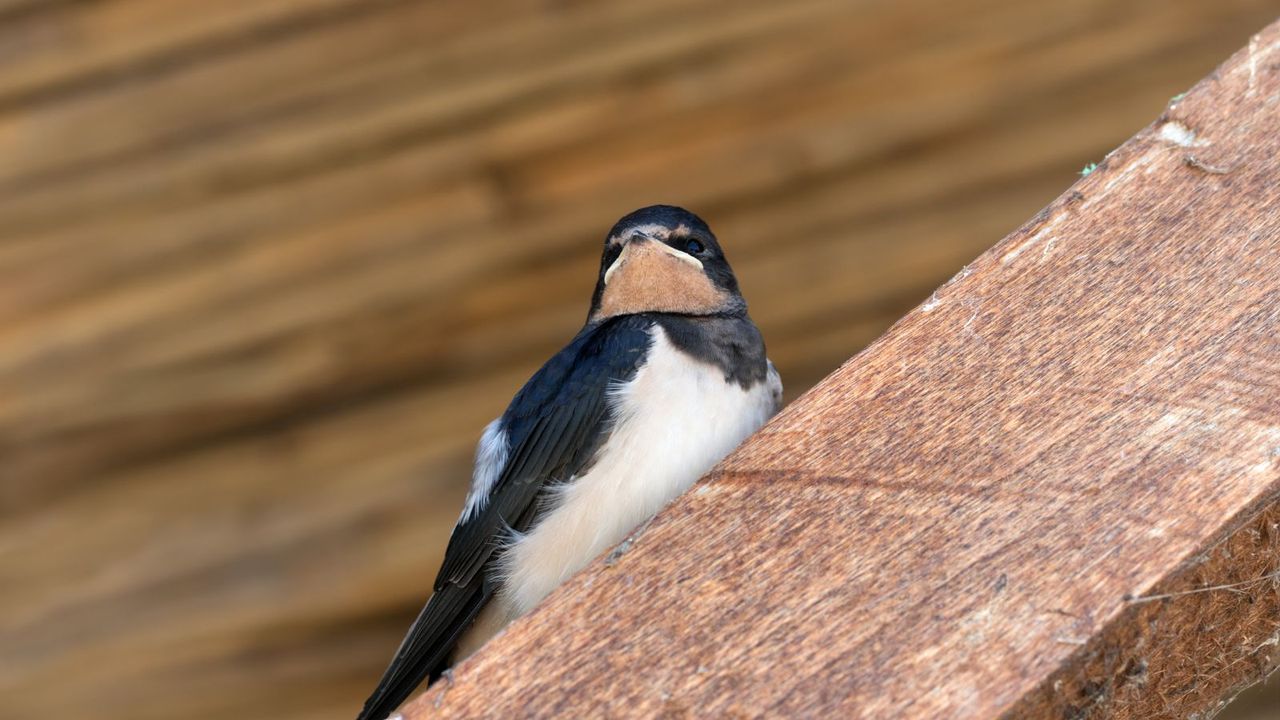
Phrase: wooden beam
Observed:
(1049, 491)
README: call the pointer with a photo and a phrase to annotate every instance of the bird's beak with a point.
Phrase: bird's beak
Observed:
(644, 255)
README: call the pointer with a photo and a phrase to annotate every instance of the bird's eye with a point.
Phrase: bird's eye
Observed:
(693, 247)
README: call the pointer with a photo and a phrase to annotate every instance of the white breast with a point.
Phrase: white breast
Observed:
(676, 419)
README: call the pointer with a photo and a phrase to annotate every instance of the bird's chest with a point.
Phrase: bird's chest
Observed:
(675, 420)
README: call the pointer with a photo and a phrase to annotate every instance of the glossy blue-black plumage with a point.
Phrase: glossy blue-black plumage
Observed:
(669, 216)
(554, 426)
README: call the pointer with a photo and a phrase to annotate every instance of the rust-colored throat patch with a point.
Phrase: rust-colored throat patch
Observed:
(650, 277)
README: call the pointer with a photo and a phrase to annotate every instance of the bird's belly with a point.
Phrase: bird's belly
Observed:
(675, 420)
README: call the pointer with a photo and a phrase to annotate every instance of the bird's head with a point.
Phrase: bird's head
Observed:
(664, 259)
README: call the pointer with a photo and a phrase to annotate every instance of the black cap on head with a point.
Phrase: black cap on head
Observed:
(668, 216)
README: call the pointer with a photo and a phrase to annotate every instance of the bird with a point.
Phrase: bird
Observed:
(667, 376)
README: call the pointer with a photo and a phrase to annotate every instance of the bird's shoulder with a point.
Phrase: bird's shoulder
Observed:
(605, 352)
(732, 343)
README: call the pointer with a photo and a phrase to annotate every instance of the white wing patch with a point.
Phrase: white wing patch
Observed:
(774, 381)
(491, 458)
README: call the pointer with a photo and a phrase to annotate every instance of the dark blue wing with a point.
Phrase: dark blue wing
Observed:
(554, 426)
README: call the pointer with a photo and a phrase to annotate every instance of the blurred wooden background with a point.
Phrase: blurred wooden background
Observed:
(267, 267)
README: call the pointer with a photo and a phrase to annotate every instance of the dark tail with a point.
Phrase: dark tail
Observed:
(425, 650)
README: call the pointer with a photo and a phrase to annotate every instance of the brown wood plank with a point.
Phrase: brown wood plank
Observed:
(267, 268)
(1052, 490)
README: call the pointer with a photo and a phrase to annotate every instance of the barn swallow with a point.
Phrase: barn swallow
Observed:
(665, 378)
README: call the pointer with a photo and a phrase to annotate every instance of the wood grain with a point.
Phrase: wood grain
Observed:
(1052, 490)
(267, 267)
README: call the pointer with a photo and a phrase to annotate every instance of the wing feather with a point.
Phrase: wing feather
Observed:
(554, 426)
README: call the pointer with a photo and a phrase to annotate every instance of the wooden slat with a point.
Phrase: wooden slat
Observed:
(63, 47)
(266, 269)
(1052, 490)
(413, 232)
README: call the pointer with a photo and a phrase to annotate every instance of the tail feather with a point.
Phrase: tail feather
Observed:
(424, 652)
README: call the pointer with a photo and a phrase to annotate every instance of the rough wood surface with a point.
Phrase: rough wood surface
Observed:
(1018, 501)
(267, 267)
